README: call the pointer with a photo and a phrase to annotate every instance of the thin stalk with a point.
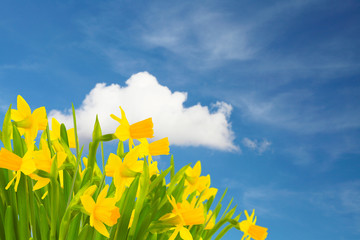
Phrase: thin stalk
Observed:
(77, 157)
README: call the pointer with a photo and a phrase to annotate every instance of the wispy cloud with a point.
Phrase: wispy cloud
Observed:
(309, 116)
(255, 145)
(197, 33)
(21, 66)
(144, 97)
(207, 35)
(341, 200)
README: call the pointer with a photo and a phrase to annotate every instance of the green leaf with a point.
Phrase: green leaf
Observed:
(126, 211)
(120, 149)
(54, 196)
(226, 229)
(63, 134)
(84, 233)
(144, 187)
(92, 150)
(159, 179)
(97, 130)
(107, 137)
(220, 223)
(172, 173)
(23, 206)
(176, 179)
(19, 144)
(227, 208)
(9, 224)
(6, 130)
(43, 223)
(74, 227)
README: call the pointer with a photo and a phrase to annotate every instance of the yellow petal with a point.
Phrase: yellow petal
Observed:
(257, 232)
(23, 107)
(88, 203)
(90, 190)
(45, 194)
(132, 156)
(100, 227)
(142, 129)
(39, 115)
(9, 160)
(61, 178)
(85, 161)
(16, 115)
(115, 118)
(71, 138)
(61, 157)
(159, 147)
(185, 234)
(113, 163)
(103, 193)
(11, 181)
(175, 233)
(197, 169)
(55, 129)
(42, 182)
(122, 132)
(28, 164)
(18, 176)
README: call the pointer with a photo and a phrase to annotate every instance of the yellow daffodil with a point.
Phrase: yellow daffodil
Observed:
(55, 133)
(183, 214)
(102, 211)
(195, 182)
(250, 229)
(43, 161)
(159, 147)
(123, 172)
(13, 162)
(142, 129)
(28, 123)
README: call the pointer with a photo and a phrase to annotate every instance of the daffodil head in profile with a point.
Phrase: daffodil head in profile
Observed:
(125, 131)
(250, 229)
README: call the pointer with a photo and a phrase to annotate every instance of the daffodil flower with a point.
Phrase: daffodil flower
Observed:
(102, 211)
(159, 147)
(183, 214)
(123, 172)
(200, 184)
(250, 229)
(43, 161)
(13, 162)
(55, 133)
(142, 129)
(28, 123)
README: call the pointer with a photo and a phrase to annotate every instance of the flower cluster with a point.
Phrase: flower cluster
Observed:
(58, 196)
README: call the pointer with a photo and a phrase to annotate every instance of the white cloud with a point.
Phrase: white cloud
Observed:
(144, 97)
(259, 146)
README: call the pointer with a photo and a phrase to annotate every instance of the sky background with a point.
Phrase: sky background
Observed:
(265, 93)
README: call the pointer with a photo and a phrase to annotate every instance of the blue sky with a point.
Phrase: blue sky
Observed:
(267, 93)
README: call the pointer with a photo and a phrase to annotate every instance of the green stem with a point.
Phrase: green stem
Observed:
(77, 158)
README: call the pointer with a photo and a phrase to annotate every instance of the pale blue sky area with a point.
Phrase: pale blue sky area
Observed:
(272, 87)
